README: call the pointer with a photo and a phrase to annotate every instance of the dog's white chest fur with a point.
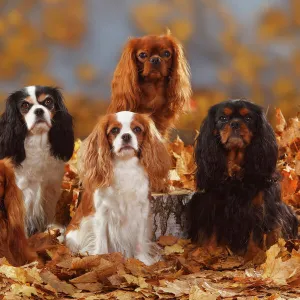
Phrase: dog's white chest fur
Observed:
(121, 220)
(39, 177)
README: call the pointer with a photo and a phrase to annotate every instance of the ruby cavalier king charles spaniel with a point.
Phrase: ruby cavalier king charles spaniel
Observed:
(238, 202)
(152, 77)
(13, 242)
(122, 159)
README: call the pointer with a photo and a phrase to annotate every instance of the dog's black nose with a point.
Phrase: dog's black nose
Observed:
(155, 60)
(235, 125)
(126, 137)
(39, 112)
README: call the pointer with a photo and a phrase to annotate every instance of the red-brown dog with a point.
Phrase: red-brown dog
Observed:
(13, 243)
(152, 77)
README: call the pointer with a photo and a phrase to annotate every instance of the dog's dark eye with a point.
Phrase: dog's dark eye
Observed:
(223, 119)
(48, 102)
(248, 118)
(137, 129)
(115, 130)
(166, 53)
(143, 55)
(25, 106)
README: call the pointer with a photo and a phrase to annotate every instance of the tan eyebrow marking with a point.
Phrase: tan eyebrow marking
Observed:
(43, 97)
(244, 111)
(227, 111)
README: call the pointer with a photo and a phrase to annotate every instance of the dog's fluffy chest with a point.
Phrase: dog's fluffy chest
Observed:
(129, 189)
(39, 164)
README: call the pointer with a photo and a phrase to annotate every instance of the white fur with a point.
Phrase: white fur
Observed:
(39, 177)
(31, 118)
(125, 118)
(121, 221)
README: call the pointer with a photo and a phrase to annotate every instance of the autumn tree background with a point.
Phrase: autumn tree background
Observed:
(235, 49)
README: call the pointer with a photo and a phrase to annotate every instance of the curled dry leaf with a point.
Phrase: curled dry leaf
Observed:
(167, 240)
(280, 121)
(183, 163)
(280, 271)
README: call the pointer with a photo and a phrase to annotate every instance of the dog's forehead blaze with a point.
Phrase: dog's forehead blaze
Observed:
(244, 111)
(30, 100)
(227, 111)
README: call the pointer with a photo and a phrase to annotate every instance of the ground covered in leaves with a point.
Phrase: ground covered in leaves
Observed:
(186, 271)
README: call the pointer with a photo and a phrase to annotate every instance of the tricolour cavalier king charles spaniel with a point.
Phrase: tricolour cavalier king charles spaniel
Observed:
(152, 77)
(36, 131)
(13, 243)
(238, 202)
(120, 161)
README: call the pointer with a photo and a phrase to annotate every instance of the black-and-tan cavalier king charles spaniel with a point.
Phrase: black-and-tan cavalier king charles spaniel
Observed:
(36, 132)
(238, 199)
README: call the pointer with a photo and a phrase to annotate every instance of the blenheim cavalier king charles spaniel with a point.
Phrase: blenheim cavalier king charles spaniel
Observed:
(152, 77)
(13, 242)
(122, 159)
(36, 131)
(238, 202)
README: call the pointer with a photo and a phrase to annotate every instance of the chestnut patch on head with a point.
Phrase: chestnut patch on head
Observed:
(113, 129)
(138, 126)
(227, 111)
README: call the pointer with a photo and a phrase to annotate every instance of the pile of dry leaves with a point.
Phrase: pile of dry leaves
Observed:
(185, 271)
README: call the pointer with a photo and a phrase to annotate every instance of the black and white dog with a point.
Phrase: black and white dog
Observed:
(36, 131)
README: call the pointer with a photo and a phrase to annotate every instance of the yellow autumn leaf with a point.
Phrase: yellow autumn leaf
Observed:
(139, 281)
(23, 290)
(176, 248)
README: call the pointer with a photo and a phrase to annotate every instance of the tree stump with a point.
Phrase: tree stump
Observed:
(169, 215)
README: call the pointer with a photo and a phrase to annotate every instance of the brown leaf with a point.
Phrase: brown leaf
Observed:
(58, 285)
(167, 240)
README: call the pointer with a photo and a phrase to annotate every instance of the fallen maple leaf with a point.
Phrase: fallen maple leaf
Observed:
(168, 240)
(173, 249)
(279, 271)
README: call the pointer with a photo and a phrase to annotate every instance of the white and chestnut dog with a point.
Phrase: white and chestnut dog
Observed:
(122, 159)
(36, 131)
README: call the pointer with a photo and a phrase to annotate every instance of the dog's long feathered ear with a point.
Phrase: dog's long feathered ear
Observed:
(262, 154)
(95, 166)
(15, 209)
(13, 130)
(209, 156)
(155, 156)
(125, 88)
(61, 135)
(179, 87)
